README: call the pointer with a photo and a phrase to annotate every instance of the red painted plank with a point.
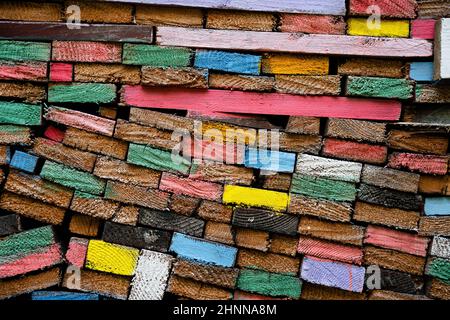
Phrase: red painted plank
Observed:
(35, 71)
(396, 240)
(307, 23)
(54, 134)
(356, 151)
(418, 162)
(190, 187)
(260, 103)
(388, 8)
(86, 51)
(61, 72)
(423, 29)
(329, 250)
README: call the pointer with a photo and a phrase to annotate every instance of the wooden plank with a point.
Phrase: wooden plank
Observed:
(26, 242)
(214, 211)
(395, 281)
(102, 12)
(27, 92)
(308, 85)
(171, 221)
(84, 225)
(76, 251)
(394, 260)
(440, 247)
(160, 120)
(183, 205)
(136, 195)
(253, 239)
(240, 20)
(221, 173)
(240, 82)
(418, 141)
(30, 11)
(259, 103)
(9, 224)
(228, 61)
(108, 112)
(427, 164)
(389, 198)
(329, 250)
(439, 268)
(370, 67)
(334, 211)
(421, 71)
(393, 9)
(265, 220)
(169, 16)
(393, 296)
(80, 120)
(295, 64)
(434, 185)
(432, 8)
(334, 231)
(24, 51)
(33, 71)
(112, 73)
(139, 54)
(356, 130)
(63, 296)
(308, 23)
(284, 42)
(379, 87)
(354, 151)
(439, 206)
(277, 181)
(181, 77)
(333, 274)
(317, 292)
(24, 161)
(202, 251)
(269, 262)
(438, 289)
(152, 273)
(82, 93)
(253, 197)
(323, 188)
(126, 215)
(282, 244)
(219, 232)
(190, 289)
(270, 284)
(86, 51)
(432, 115)
(442, 50)
(387, 28)
(434, 226)
(293, 142)
(12, 135)
(54, 133)
(93, 206)
(389, 178)
(49, 31)
(269, 160)
(304, 125)
(20, 113)
(61, 72)
(428, 93)
(5, 155)
(423, 29)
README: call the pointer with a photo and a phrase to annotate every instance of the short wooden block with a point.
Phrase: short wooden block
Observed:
(437, 206)
(240, 20)
(292, 64)
(147, 55)
(387, 28)
(228, 61)
(380, 87)
(181, 77)
(356, 130)
(202, 251)
(277, 181)
(389, 178)
(238, 195)
(440, 247)
(355, 151)
(269, 262)
(33, 71)
(334, 211)
(333, 274)
(270, 284)
(20, 113)
(434, 185)
(434, 226)
(12, 135)
(171, 221)
(54, 134)
(370, 67)
(169, 16)
(389, 198)
(240, 82)
(82, 93)
(183, 205)
(417, 141)
(304, 125)
(221, 173)
(84, 225)
(317, 292)
(438, 289)
(30, 11)
(189, 187)
(61, 72)
(252, 239)
(112, 73)
(322, 188)
(269, 160)
(24, 91)
(442, 49)
(423, 29)
(282, 244)
(9, 224)
(329, 250)
(214, 211)
(432, 9)
(127, 215)
(152, 273)
(86, 51)
(63, 296)
(308, 23)
(24, 161)
(392, 9)
(421, 71)
(190, 289)
(427, 164)
(102, 12)
(93, 206)
(24, 51)
(394, 260)
(439, 268)
(308, 85)
(76, 252)
(219, 232)
(429, 93)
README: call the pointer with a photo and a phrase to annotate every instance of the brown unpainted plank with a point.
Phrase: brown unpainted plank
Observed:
(394, 260)
(335, 211)
(110, 73)
(20, 136)
(160, 120)
(391, 295)
(390, 178)
(438, 289)
(433, 8)
(102, 12)
(282, 244)
(30, 11)
(269, 262)
(389, 198)
(107, 112)
(315, 292)
(175, 77)
(196, 290)
(372, 67)
(240, 82)
(222, 173)
(240, 20)
(84, 225)
(298, 143)
(28, 92)
(94, 206)
(434, 184)
(434, 226)
(277, 181)
(127, 215)
(214, 211)
(169, 16)
(219, 232)
(184, 205)
(303, 125)
(418, 141)
(356, 130)
(252, 239)
(308, 85)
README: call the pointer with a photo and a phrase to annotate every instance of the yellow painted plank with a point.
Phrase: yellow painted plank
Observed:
(252, 197)
(112, 258)
(387, 28)
(295, 64)
(228, 133)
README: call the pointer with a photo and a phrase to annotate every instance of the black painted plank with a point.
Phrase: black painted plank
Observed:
(389, 198)
(9, 224)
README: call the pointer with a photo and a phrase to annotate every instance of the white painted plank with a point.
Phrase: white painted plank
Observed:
(441, 247)
(442, 50)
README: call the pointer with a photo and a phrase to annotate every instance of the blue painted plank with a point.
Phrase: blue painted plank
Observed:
(270, 160)
(228, 61)
(24, 161)
(437, 206)
(203, 251)
(421, 71)
(63, 295)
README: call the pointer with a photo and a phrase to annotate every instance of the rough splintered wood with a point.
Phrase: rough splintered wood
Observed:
(214, 211)
(269, 160)
(191, 289)
(295, 64)
(372, 67)
(63, 296)
(93, 206)
(84, 225)
(389, 178)
(28, 92)
(259, 103)
(329, 250)
(282, 244)
(68, 156)
(37, 188)
(356, 130)
(423, 29)
(442, 50)
(246, 196)
(269, 262)
(183, 205)
(304, 125)
(228, 61)
(428, 93)
(434, 185)
(240, 20)
(277, 181)
(427, 164)
(308, 85)
(334, 211)
(80, 120)
(152, 273)
(270, 284)
(12, 135)
(11, 10)
(219, 232)
(34, 71)
(265, 220)
(418, 141)
(126, 215)
(387, 28)
(82, 93)
(286, 42)
(20, 113)
(112, 73)
(355, 151)
(24, 161)
(9, 224)
(437, 206)
(252, 239)
(334, 231)
(181, 77)
(379, 87)
(394, 260)
(433, 8)
(171, 221)
(396, 240)
(388, 8)
(169, 16)
(440, 247)
(240, 82)
(434, 226)
(222, 173)
(5, 154)
(147, 55)
(30, 208)
(438, 290)
(202, 251)
(24, 51)
(317, 292)
(323, 188)
(389, 198)
(76, 252)
(86, 51)
(333, 274)
(307, 23)
(102, 12)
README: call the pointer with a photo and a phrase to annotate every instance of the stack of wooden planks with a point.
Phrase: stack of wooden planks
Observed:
(225, 150)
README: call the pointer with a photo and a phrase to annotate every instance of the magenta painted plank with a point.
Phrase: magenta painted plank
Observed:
(423, 29)
(260, 103)
(329, 250)
(190, 187)
(35, 71)
(396, 240)
(54, 133)
(86, 51)
(61, 72)
(76, 253)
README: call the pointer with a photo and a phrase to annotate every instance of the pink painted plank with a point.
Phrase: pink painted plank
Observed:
(296, 43)
(329, 250)
(396, 240)
(210, 150)
(189, 187)
(48, 257)
(54, 134)
(80, 120)
(307, 23)
(260, 103)
(356, 151)
(35, 71)
(423, 29)
(418, 162)
(86, 51)
(76, 254)
(388, 8)
(61, 72)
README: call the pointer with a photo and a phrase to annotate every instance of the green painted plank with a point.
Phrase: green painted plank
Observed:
(380, 87)
(72, 178)
(157, 159)
(323, 188)
(82, 93)
(24, 51)
(439, 268)
(20, 113)
(142, 54)
(269, 284)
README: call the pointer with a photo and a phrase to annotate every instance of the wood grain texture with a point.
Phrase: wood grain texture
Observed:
(395, 281)
(329, 210)
(219, 232)
(221, 173)
(169, 16)
(434, 184)
(432, 8)
(190, 187)
(355, 151)
(440, 247)
(371, 67)
(285, 42)
(356, 130)
(277, 181)
(438, 289)
(240, 82)
(389, 198)
(214, 211)
(427, 93)
(33, 71)
(423, 29)
(265, 220)
(24, 51)
(282, 244)
(253, 239)
(323, 188)
(178, 77)
(434, 226)
(304, 125)
(295, 64)
(29, 11)
(394, 260)
(76, 252)
(102, 12)
(418, 141)
(84, 225)
(394, 9)
(85, 51)
(9, 224)
(307, 23)
(196, 290)
(427, 114)
(389, 178)
(5, 154)
(329, 250)
(270, 262)
(317, 292)
(111, 73)
(393, 296)
(240, 20)
(160, 120)
(126, 215)
(93, 206)
(442, 49)
(183, 205)
(293, 142)
(387, 28)
(308, 85)
(147, 55)
(427, 164)
(379, 87)
(24, 91)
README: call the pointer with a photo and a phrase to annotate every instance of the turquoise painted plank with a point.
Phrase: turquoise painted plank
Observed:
(82, 93)
(421, 71)
(20, 113)
(437, 206)
(270, 160)
(24, 51)
(24, 161)
(62, 296)
(228, 61)
(149, 55)
(203, 251)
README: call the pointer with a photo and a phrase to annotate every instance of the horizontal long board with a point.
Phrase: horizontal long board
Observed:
(293, 42)
(260, 103)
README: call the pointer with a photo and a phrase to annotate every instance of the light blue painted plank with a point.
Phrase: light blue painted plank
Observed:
(421, 71)
(437, 206)
(270, 160)
(203, 251)
(228, 61)
(62, 295)
(24, 161)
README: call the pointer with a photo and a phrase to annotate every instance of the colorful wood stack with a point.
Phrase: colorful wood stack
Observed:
(133, 162)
